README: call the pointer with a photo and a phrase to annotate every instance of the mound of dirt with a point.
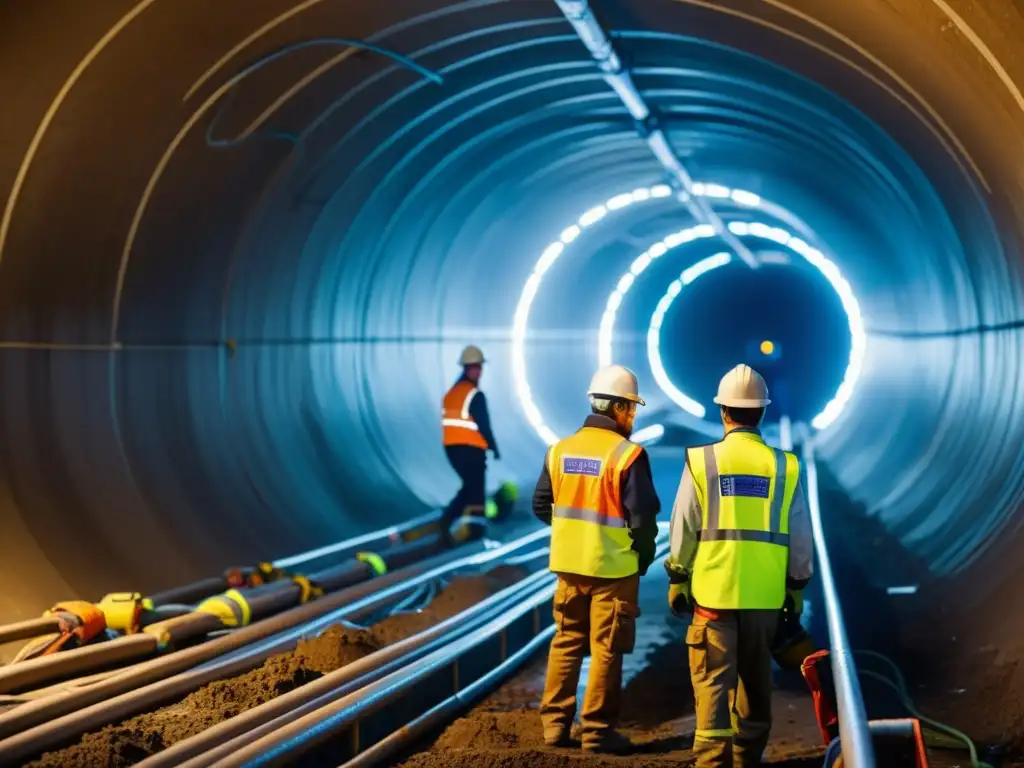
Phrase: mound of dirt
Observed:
(134, 740)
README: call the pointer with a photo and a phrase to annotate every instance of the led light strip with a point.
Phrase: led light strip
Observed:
(654, 331)
(551, 254)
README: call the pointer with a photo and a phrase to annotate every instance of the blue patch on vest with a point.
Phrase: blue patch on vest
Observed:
(744, 485)
(572, 465)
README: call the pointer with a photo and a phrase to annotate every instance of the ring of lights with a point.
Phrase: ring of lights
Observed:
(605, 334)
(654, 330)
(776, 235)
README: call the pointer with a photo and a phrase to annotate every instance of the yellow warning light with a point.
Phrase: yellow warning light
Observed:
(767, 347)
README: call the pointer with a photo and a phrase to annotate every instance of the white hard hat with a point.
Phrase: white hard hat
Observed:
(471, 356)
(615, 381)
(742, 387)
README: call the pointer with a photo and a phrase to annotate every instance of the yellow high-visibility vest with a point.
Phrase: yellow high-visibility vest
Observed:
(589, 533)
(460, 428)
(745, 489)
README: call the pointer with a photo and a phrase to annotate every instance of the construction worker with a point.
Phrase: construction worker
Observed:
(741, 547)
(597, 494)
(467, 437)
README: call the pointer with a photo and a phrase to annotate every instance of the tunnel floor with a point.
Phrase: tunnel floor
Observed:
(959, 682)
(505, 730)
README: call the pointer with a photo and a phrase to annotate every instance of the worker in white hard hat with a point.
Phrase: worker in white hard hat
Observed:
(467, 436)
(597, 494)
(741, 549)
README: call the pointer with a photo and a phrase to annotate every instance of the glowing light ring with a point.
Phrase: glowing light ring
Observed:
(551, 254)
(547, 258)
(828, 269)
(654, 330)
(648, 434)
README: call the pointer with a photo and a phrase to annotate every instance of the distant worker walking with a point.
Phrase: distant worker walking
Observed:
(741, 547)
(597, 494)
(467, 437)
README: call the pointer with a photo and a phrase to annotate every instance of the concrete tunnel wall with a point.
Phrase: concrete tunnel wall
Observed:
(351, 264)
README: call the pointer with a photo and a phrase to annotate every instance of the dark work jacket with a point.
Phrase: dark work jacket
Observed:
(482, 417)
(640, 504)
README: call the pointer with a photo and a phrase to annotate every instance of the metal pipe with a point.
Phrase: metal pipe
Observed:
(284, 744)
(403, 554)
(193, 593)
(392, 534)
(190, 593)
(206, 747)
(44, 669)
(897, 727)
(443, 712)
(854, 733)
(61, 717)
(579, 14)
(26, 630)
(900, 726)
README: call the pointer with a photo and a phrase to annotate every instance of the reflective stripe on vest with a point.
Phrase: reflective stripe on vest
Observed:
(745, 489)
(456, 421)
(589, 534)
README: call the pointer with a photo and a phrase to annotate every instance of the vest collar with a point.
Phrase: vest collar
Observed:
(744, 433)
(598, 421)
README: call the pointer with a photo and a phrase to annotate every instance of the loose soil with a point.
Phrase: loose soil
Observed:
(504, 731)
(134, 740)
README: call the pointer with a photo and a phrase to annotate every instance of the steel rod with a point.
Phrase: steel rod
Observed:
(854, 732)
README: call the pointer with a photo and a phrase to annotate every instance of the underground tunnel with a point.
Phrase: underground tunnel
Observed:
(243, 244)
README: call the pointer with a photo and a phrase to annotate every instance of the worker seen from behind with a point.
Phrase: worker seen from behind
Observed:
(597, 494)
(741, 548)
(467, 437)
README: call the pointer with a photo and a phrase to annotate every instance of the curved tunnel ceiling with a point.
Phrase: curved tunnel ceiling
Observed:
(240, 253)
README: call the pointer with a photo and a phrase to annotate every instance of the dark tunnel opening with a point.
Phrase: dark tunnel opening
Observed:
(784, 321)
(234, 284)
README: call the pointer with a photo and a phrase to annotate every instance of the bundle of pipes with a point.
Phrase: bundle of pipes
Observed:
(127, 612)
(230, 610)
(283, 740)
(39, 725)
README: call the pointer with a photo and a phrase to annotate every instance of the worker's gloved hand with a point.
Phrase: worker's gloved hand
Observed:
(795, 601)
(678, 590)
(496, 453)
(679, 599)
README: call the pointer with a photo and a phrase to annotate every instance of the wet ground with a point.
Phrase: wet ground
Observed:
(132, 741)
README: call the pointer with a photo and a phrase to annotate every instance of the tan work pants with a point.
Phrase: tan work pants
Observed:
(594, 614)
(731, 671)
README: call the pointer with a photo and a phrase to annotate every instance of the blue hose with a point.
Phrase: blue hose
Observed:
(835, 749)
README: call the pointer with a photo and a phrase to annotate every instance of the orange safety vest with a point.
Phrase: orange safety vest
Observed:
(589, 533)
(459, 426)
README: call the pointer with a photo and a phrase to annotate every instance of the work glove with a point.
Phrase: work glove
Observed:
(496, 454)
(795, 601)
(678, 590)
(679, 599)
(644, 559)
